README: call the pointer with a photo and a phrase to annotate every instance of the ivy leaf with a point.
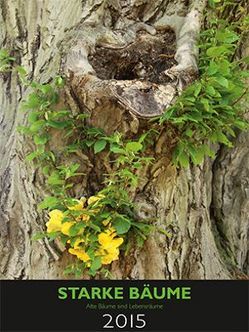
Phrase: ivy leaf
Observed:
(99, 145)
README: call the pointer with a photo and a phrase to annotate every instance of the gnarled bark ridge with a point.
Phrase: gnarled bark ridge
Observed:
(205, 208)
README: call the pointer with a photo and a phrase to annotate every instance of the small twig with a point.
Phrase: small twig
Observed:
(236, 101)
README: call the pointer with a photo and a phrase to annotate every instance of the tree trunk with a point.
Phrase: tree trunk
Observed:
(204, 208)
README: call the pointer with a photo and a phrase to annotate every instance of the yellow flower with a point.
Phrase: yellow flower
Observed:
(77, 243)
(80, 253)
(84, 217)
(108, 242)
(109, 246)
(79, 205)
(65, 227)
(94, 199)
(108, 256)
(55, 222)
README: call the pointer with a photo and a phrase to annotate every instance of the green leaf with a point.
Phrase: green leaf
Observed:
(213, 3)
(212, 68)
(99, 145)
(58, 124)
(216, 51)
(121, 224)
(211, 90)
(55, 179)
(197, 90)
(40, 140)
(21, 71)
(37, 125)
(197, 155)
(69, 270)
(23, 130)
(59, 81)
(183, 159)
(241, 124)
(38, 236)
(226, 36)
(88, 143)
(208, 151)
(94, 227)
(32, 155)
(222, 81)
(46, 170)
(144, 228)
(76, 228)
(49, 202)
(188, 132)
(53, 235)
(33, 102)
(95, 265)
(33, 116)
(219, 137)
(116, 149)
(133, 147)
(245, 60)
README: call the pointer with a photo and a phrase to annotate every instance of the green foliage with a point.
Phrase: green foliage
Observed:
(211, 109)
(5, 61)
(91, 229)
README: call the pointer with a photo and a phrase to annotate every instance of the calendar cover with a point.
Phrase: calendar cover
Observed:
(124, 164)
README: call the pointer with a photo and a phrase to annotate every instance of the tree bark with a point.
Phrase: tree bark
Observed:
(204, 208)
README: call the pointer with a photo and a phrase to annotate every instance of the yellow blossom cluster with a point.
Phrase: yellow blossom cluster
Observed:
(108, 241)
(109, 246)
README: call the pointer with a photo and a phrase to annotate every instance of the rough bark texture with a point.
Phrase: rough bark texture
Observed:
(205, 208)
